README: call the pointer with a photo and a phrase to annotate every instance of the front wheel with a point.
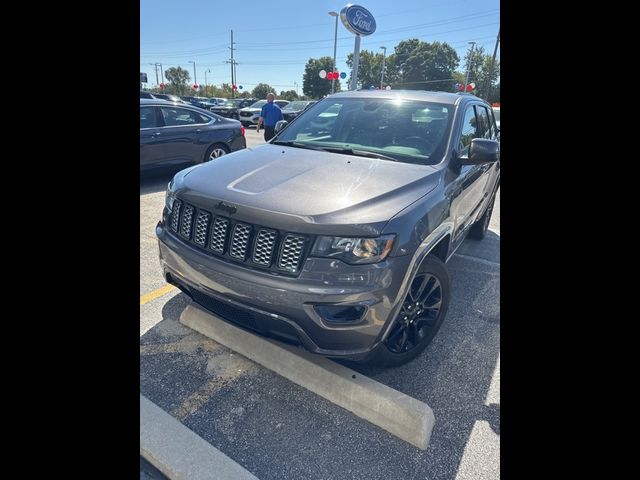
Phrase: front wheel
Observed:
(420, 317)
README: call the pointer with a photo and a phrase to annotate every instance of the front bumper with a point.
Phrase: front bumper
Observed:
(284, 306)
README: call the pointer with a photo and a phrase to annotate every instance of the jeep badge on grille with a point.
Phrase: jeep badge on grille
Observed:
(226, 208)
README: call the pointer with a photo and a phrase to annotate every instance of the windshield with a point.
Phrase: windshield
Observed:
(295, 106)
(258, 104)
(409, 131)
(227, 103)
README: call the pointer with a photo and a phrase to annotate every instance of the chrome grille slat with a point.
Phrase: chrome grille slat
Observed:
(202, 224)
(240, 241)
(219, 234)
(291, 253)
(187, 221)
(175, 215)
(263, 249)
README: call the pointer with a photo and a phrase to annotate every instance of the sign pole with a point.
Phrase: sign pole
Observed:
(356, 61)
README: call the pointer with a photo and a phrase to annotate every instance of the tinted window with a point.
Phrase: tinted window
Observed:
(181, 116)
(147, 117)
(409, 131)
(484, 127)
(469, 128)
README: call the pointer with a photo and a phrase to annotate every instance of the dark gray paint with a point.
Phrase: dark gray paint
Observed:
(313, 193)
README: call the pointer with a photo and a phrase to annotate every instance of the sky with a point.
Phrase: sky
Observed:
(273, 40)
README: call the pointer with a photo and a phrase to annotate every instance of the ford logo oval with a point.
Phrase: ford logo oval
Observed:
(358, 20)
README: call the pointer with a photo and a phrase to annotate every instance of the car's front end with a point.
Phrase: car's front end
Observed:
(255, 251)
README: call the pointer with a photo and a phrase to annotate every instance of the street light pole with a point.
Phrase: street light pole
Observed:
(466, 80)
(296, 84)
(195, 79)
(206, 85)
(161, 73)
(335, 42)
(384, 54)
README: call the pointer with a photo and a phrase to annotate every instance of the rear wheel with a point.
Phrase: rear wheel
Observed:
(216, 151)
(420, 317)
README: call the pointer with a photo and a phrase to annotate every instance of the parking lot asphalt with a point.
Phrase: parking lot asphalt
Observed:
(277, 430)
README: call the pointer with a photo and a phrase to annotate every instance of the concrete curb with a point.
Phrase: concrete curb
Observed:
(179, 453)
(397, 413)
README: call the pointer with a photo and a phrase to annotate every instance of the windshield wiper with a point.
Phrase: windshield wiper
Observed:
(360, 153)
(296, 144)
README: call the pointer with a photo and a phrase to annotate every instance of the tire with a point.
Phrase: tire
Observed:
(215, 151)
(420, 317)
(480, 227)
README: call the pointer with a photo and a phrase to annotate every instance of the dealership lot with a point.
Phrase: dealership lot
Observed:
(277, 429)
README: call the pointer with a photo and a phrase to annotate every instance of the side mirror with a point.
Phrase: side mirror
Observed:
(280, 125)
(481, 151)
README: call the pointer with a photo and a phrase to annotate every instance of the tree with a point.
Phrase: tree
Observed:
(178, 78)
(479, 65)
(312, 85)
(260, 91)
(370, 69)
(290, 95)
(424, 66)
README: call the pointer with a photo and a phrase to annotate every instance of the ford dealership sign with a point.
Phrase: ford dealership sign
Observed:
(358, 20)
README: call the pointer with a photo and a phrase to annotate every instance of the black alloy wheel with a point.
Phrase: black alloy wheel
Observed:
(419, 314)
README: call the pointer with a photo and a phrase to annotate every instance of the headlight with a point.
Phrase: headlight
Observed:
(168, 197)
(353, 250)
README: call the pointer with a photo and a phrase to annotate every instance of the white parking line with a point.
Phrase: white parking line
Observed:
(484, 261)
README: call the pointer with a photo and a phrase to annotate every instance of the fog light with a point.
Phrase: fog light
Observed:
(340, 313)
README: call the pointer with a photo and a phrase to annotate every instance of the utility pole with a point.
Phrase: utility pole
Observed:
(493, 61)
(233, 69)
(155, 66)
(195, 79)
(384, 54)
(466, 80)
(161, 73)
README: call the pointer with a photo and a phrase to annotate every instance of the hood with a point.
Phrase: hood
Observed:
(307, 187)
(252, 110)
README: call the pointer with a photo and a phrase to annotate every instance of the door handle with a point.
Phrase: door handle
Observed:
(198, 130)
(156, 134)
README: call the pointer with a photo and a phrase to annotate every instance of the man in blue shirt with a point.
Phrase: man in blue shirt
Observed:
(269, 115)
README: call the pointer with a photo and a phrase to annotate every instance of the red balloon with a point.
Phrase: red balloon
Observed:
(162, 86)
(460, 87)
(469, 88)
(195, 86)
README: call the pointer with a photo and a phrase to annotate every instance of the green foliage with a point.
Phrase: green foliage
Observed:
(312, 85)
(260, 91)
(481, 73)
(424, 66)
(178, 79)
(370, 69)
(290, 95)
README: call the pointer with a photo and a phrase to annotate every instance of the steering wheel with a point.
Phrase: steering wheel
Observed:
(417, 142)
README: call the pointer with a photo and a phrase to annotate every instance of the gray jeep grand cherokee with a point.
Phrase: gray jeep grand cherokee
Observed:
(335, 234)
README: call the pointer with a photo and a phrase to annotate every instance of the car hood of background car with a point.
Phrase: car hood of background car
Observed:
(314, 188)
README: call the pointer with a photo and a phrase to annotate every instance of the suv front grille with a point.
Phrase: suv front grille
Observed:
(240, 241)
(250, 245)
